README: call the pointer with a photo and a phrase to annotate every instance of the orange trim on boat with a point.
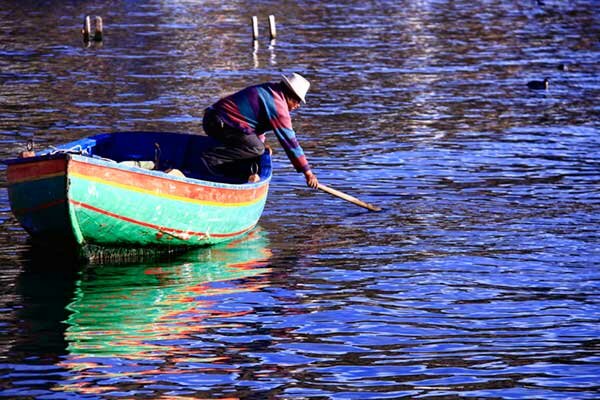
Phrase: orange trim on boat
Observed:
(35, 170)
(166, 187)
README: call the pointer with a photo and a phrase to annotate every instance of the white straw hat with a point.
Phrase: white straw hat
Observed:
(298, 84)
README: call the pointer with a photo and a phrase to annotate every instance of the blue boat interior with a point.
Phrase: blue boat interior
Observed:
(168, 151)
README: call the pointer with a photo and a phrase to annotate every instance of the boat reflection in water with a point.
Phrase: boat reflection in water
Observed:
(144, 327)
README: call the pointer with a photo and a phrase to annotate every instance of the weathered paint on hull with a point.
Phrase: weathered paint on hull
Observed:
(88, 201)
(149, 208)
(37, 194)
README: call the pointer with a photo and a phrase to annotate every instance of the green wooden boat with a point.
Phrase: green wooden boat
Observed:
(132, 190)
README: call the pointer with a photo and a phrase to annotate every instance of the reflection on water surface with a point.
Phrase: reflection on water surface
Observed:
(479, 279)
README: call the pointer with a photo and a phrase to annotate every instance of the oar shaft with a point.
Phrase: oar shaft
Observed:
(347, 197)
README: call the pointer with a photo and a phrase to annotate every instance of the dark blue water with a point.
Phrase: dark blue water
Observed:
(479, 279)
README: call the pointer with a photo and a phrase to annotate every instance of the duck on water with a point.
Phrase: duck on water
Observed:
(538, 85)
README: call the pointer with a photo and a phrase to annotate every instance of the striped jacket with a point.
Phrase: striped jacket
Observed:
(261, 108)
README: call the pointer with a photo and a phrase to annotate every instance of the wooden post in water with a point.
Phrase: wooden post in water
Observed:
(254, 28)
(86, 29)
(98, 29)
(255, 40)
(272, 29)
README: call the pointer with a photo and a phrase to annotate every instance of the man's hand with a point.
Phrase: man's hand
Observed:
(268, 149)
(311, 179)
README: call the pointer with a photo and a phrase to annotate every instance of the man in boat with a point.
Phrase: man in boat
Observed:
(239, 122)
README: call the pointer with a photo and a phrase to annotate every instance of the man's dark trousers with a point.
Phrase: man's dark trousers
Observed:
(236, 151)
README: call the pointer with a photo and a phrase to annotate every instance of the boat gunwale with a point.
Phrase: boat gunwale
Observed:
(95, 159)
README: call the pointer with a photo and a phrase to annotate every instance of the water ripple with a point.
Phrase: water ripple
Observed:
(478, 279)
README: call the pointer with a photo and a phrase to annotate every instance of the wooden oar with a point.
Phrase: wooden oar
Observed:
(347, 197)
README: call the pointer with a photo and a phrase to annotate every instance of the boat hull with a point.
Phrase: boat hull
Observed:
(37, 195)
(75, 200)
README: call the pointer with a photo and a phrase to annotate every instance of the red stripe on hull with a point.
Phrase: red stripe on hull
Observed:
(40, 207)
(175, 232)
